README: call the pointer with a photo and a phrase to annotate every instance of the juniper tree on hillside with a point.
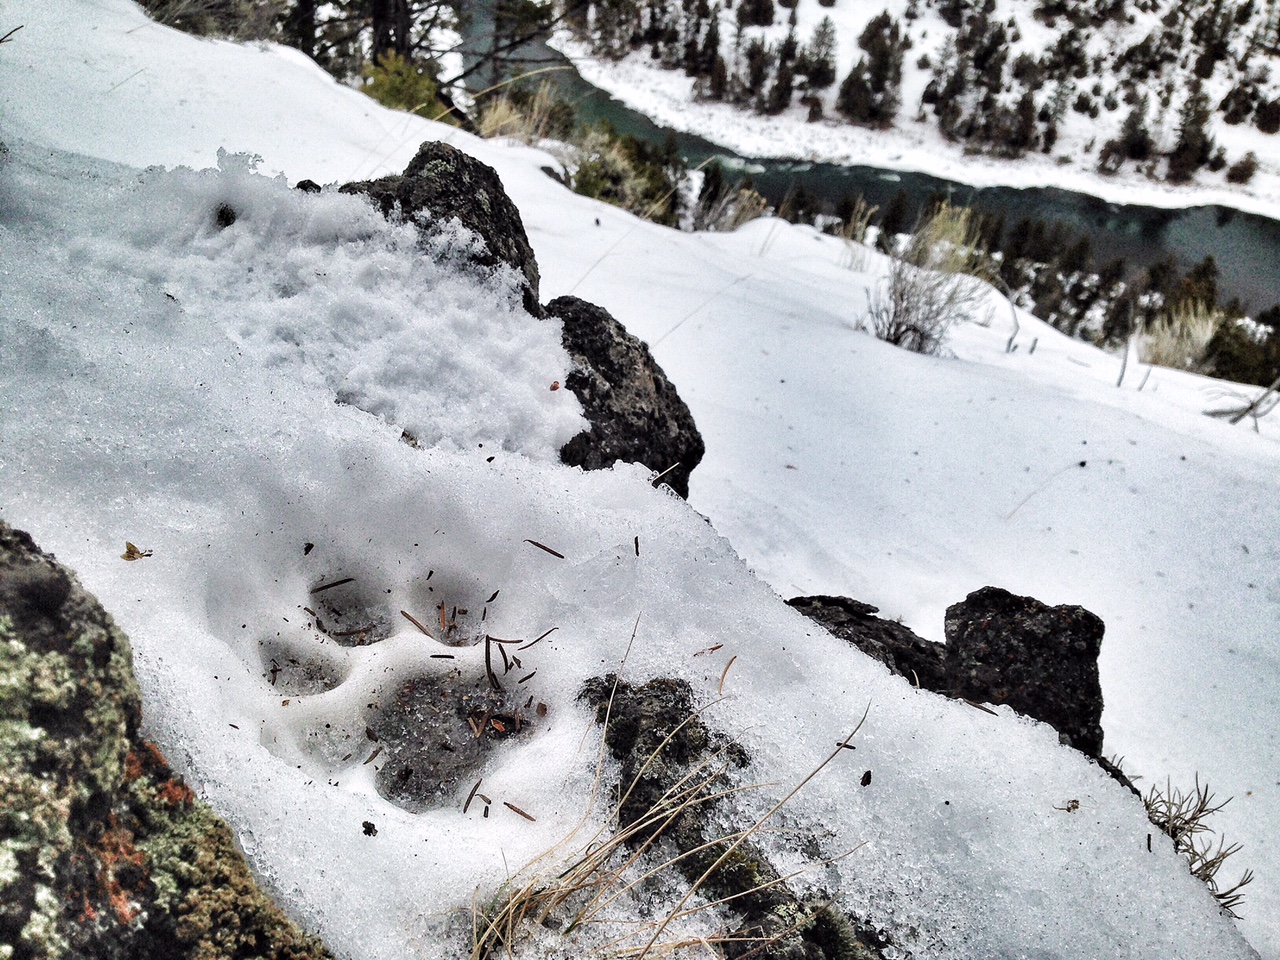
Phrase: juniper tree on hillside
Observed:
(718, 81)
(816, 62)
(710, 50)
(854, 99)
(871, 93)
(1194, 143)
(779, 97)
(1134, 142)
(758, 62)
(755, 13)
(1135, 138)
(885, 45)
(790, 47)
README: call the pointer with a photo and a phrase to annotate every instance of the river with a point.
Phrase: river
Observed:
(1245, 246)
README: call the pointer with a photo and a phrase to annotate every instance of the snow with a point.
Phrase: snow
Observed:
(224, 397)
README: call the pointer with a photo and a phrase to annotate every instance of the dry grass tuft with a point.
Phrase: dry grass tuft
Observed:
(570, 891)
(1179, 338)
(531, 119)
(1182, 815)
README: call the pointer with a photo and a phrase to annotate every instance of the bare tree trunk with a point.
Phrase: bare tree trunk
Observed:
(392, 22)
(300, 27)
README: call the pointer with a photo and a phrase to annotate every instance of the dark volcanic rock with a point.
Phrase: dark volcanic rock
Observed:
(1041, 660)
(635, 413)
(666, 751)
(440, 183)
(894, 645)
(106, 853)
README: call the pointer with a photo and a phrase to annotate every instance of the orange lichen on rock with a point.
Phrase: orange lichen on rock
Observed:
(119, 884)
(174, 793)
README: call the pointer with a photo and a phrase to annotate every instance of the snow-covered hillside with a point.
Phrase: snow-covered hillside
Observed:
(171, 383)
(1084, 69)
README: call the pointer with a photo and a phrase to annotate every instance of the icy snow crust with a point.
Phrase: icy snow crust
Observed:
(173, 384)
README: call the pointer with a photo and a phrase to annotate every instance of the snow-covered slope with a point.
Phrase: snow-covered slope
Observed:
(173, 384)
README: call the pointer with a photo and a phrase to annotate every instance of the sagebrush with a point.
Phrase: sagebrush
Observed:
(935, 280)
(1180, 338)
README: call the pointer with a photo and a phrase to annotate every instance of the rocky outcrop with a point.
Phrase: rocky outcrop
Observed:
(104, 851)
(894, 645)
(442, 183)
(1040, 660)
(634, 410)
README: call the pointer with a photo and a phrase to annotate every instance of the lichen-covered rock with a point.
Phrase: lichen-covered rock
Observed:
(442, 183)
(634, 410)
(894, 645)
(104, 852)
(1040, 660)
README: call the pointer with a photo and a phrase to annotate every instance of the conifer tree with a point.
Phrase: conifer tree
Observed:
(854, 99)
(710, 45)
(718, 84)
(780, 93)
(1194, 143)
(1024, 131)
(299, 29)
(1135, 138)
(759, 60)
(790, 47)
(755, 13)
(871, 92)
(816, 62)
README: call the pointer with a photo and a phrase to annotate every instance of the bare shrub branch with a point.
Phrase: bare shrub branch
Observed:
(935, 281)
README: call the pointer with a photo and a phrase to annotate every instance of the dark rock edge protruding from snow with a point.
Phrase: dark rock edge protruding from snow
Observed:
(634, 410)
(1039, 659)
(111, 856)
(1001, 649)
(635, 413)
(442, 183)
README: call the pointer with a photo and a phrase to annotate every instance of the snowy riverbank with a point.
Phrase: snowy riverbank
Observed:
(666, 96)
